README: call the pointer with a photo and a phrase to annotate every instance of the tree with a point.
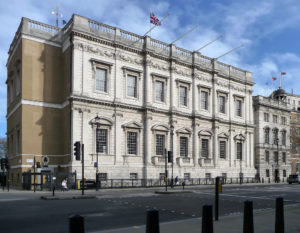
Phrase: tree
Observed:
(3, 147)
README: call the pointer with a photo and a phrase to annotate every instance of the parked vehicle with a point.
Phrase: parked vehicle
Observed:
(293, 179)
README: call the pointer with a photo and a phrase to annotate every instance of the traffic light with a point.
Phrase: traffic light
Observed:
(77, 150)
(170, 157)
(6, 164)
(2, 164)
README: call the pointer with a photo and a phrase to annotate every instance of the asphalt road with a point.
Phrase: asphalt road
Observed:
(26, 212)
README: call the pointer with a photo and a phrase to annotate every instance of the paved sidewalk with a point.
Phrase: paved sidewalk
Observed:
(264, 222)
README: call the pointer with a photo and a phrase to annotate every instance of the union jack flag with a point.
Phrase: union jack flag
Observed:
(154, 19)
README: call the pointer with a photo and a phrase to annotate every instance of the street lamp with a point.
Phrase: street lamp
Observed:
(172, 149)
(97, 118)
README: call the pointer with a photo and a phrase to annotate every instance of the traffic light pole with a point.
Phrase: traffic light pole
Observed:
(82, 182)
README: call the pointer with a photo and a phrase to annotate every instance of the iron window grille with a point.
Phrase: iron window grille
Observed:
(223, 149)
(239, 149)
(160, 144)
(183, 146)
(204, 148)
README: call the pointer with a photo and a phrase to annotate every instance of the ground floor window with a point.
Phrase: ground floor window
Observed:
(187, 175)
(267, 173)
(132, 143)
(102, 176)
(161, 176)
(284, 173)
(133, 176)
(183, 146)
(207, 175)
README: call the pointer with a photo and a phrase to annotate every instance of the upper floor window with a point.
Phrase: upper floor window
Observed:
(275, 119)
(267, 156)
(159, 91)
(275, 136)
(298, 149)
(132, 143)
(222, 104)
(238, 108)
(204, 148)
(223, 149)
(101, 80)
(204, 100)
(239, 150)
(132, 86)
(283, 138)
(266, 117)
(297, 132)
(183, 146)
(267, 135)
(275, 156)
(183, 95)
(160, 144)
(283, 157)
(101, 141)
(283, 120)
(18, 83)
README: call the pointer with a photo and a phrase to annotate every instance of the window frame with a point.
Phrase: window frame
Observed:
(219, 103)
(187, 85)
(103, 65)
(225, 150)
(186, 151)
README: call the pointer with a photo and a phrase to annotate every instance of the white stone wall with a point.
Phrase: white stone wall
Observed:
(191, 120)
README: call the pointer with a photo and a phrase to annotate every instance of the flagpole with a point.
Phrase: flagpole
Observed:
(183, 35)
(280, 80)
(150, 30)
(208, 44)
(230, 51)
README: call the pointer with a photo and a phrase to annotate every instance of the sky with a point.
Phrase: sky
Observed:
(268, 30)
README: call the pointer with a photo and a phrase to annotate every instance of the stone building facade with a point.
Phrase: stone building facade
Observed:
(272, 136)
(128, 98)
(294, 104)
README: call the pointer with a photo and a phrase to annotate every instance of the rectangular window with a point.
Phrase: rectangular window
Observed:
(224, 175)
(102, 176)
(283, 157)
(132, 143)
(204, 100)
(239, 108)
(183, 96)
(161, 176)
(223, 149)
(101, 141)
(207, 175)
(239, 149)
(283, 120)
(267, 173)
(187, 175)
(183, 146)
(159, 91)
(298, 149)
(283, 138)
(275, 136)
(221, 104)
(276, 157)
(267, 135)
(101, 80)
(267, 156)
(131, 86)
(133, 176)
(275, 119)
(266, 117)
(160, 144)
(204, 148)
(284, 173)
(297, 132)
(18, 142)
(18, 85)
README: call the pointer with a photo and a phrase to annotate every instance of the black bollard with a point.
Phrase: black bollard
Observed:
(217, 199)
(248, 217)
(76, 224)
(152, 225)
(262, 179)
(279, 216)
(207, 219)
(53, 191)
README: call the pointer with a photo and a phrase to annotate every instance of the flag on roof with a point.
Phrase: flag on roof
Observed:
(154, 19)
(283, 73)
(274, 78)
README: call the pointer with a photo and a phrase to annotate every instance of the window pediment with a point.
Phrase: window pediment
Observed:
(160, 127)
(100, 120)
(184, 131)
(239, 137)
(205, 132)
(132, 124)
(223, 135)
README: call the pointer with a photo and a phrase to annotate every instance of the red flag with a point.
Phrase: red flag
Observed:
(283, 73)
(274, 78)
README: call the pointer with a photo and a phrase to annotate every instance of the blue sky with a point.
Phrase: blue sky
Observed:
(268, 29)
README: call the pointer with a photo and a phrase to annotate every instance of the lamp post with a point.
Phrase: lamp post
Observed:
(172, 149)
(97, 118)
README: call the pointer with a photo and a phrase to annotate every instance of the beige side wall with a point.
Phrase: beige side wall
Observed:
(43, 130)
(42, 72)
